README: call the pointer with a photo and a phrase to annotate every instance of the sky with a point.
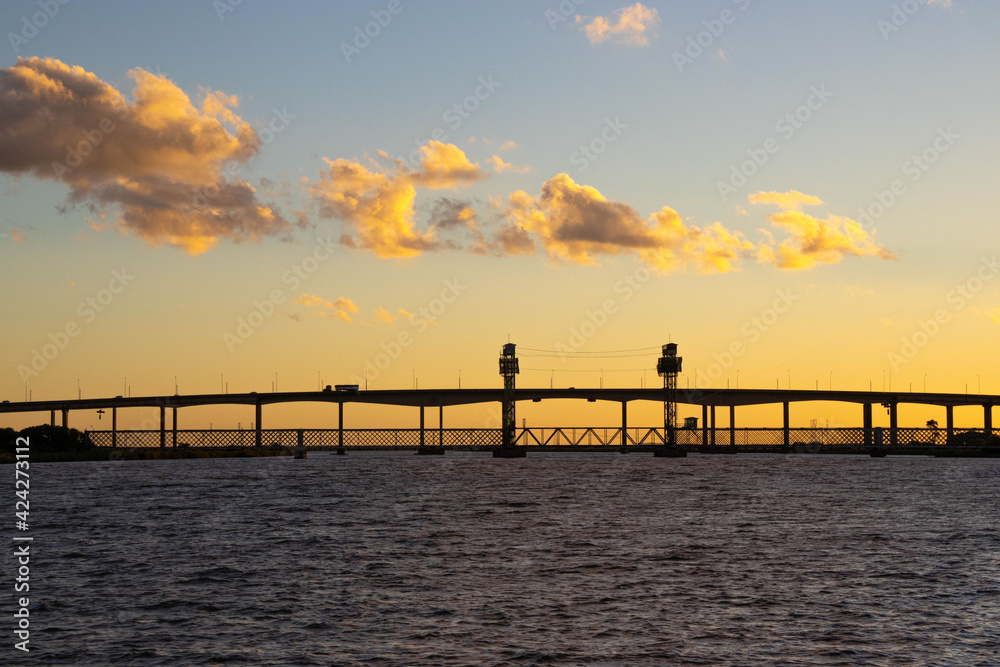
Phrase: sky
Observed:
(202, 196)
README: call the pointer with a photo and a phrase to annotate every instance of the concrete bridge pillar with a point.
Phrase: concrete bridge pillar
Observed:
(868, 424)
(704, 424)
(65, 418)
(786, 434)
(949, 412)
(421, 426)
(174, 432)
(712, 410)
(114, 427)
(988, 419)
(257, 427)
(440, 426)
(52, 417)
(732, 425)
(163, 425)
(893, 424)
(340, 426)
(624, 423)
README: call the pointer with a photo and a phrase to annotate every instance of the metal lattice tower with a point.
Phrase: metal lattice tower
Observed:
(668, 366)
(508, 369)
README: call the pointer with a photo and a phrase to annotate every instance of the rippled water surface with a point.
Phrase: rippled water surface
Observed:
(589, 558)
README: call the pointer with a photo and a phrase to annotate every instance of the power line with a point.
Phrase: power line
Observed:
(637, 349)
(587, 370)
(571, 355)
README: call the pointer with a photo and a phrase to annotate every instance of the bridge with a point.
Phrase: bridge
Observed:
(707, 435)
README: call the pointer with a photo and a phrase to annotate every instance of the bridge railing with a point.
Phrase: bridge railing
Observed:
(536, 436)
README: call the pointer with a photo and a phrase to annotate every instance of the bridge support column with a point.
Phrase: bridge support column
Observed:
(624, 425)
(163, 426)
(340, 428)
(712, 410)
(175, 426)
(732, 425)
(52, 417)
(704, 425)
(300, 445)
(988, 419)
(65, 418)
(257, 427)
(868, 424)
(440, 426)
(421, 426)
(893, 423)
(786, 435)
(949, 423)
(114, 427)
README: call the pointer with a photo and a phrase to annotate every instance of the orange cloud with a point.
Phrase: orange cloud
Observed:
(341, 307)
(792, 200)
(379, 205)
(157, 167)
(577, 223)
(312, 301)
(499, 166)
(634, 25)
(815, 240)
(384, 315)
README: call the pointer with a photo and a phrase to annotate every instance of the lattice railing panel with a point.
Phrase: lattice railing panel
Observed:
(599, 436)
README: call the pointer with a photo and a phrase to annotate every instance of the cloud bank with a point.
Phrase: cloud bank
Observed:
(157, 166)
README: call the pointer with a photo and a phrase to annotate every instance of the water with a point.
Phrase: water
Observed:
(604, 559)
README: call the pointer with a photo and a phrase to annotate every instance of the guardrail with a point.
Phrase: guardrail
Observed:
(765, 437)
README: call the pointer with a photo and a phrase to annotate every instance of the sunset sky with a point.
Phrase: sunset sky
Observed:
(792, 192)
